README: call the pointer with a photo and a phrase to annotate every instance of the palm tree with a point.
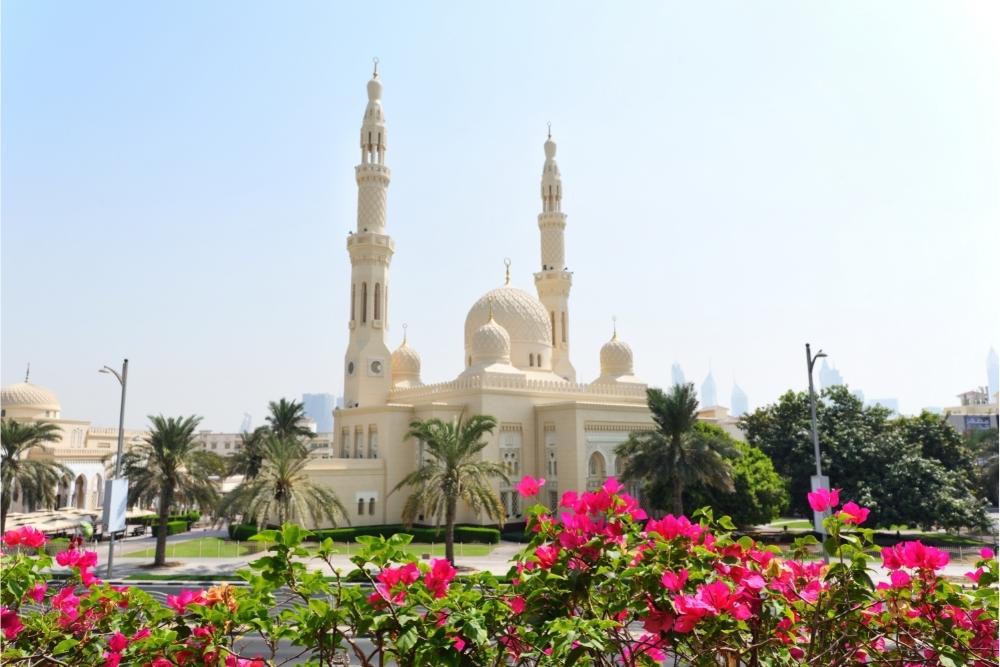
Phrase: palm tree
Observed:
(37, 479)
(170, 467)
(287, 419)
(281, 490)
(451, 470)
(249, 459)
(666, 460)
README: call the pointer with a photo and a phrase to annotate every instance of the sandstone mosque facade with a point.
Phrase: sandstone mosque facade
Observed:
(517, 368)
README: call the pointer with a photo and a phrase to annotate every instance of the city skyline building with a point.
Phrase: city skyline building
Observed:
(740, 404)
(829, 376)
(319, 408)
(677, 374)
(709, 397)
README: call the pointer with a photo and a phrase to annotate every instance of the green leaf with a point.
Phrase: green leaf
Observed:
(65, 645)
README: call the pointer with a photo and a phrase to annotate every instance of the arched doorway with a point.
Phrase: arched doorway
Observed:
(98, 492)
(597, 471)
(80, 492)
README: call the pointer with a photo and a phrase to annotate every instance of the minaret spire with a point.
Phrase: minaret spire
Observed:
(554, 281)
(366, 364)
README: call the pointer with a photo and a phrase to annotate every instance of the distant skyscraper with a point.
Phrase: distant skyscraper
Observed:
(828, 376)
(319, 408)
(677, 374)
(740, 403)
(992, 372)
(708, 397)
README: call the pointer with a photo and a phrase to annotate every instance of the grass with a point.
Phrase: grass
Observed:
(215, 547)
(792, 524)
(204, 547)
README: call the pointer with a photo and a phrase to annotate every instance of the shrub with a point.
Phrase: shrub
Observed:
(241, 532)
(427, 534)
(477, 534)
(175, 527)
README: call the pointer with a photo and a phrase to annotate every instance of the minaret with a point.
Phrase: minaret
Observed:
(554, 281)
(366, 364)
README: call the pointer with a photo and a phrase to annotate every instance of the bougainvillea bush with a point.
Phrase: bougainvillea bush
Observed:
(599, 584)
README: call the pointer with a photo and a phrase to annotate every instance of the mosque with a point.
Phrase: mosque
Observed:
(517, 367)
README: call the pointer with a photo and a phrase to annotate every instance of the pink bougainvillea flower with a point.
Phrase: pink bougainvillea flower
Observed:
(974, 576)
(179, 603)
(670, 527)
(26, 536)
(913, 555)
(141, 634)
(234, 661)
(987, 553)
(516, 604)
(10, 623)
(459, 643)
(823, 499)
(900, 579)
(37, 592)
(547, 555)
(612, 486)
(529, 486)
(439, 577)
(112, 659)
(674, 581)
(853, 514)
(117, 642)
(393, 582)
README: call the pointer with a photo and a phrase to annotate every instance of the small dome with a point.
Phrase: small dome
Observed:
(490, 343)
(29, 400)
(616, 357)
(522, 315)
(405, 362)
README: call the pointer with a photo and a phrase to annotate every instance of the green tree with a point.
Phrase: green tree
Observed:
(36, 479)
(247, 461)
(676, 454)
(937, 439)
(281, 490)
(287, 419)
(759, 495)
(451, 470)
(876, 461)
(170, 468)
(984, 450)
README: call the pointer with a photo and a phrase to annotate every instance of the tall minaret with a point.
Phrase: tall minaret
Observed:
(366, 364)
(554, 281)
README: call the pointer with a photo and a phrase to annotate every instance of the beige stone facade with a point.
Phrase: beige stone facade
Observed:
(516, 367)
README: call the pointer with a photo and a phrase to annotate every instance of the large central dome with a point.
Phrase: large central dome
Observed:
(525, 319)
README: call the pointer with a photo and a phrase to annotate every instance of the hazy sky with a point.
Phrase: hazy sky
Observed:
(740, 178)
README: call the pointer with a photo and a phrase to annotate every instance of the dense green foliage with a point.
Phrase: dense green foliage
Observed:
(450, 470)
(282, 491)
(759, 495)
(914, 471)
(34, 479)
(985, 448)
(426, 534)
(676, 455)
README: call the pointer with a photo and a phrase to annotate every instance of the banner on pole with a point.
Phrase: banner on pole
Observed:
(115, 505)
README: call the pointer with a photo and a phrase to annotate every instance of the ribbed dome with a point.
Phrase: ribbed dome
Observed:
(616, 357)
(490, 343)
(27, 395)
(405, 362)
(522, 315)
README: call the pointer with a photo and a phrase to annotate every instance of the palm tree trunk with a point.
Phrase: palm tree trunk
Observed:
(166, 496)
(4, 507)
(449, 530)
(677, 498)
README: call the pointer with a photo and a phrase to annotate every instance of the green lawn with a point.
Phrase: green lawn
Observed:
(792, 524)
(204, 547)
(214, 547)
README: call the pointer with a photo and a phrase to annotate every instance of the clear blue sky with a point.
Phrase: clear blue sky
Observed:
(740, 179)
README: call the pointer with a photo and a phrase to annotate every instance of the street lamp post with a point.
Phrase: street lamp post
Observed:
(123, 381)
(817, 481)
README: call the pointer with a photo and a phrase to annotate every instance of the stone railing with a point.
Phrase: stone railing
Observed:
(521, 383)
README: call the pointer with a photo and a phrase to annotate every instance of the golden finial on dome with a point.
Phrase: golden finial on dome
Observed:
(614, 327)
(404, 333)
(550, 129)
(27, 373)
(506, 262)
(375, 72)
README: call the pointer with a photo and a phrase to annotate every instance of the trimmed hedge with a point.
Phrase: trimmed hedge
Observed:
(175, 527)
(428, 534)
(241, 532)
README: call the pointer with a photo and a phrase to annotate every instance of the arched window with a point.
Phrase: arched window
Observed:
(385, 310)
(531, 358)
(371, 507)
(361, 506)
(378, 302)
(354, 289)
(364, 302)
(564, 334)
(552, 317)
(469, 362)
